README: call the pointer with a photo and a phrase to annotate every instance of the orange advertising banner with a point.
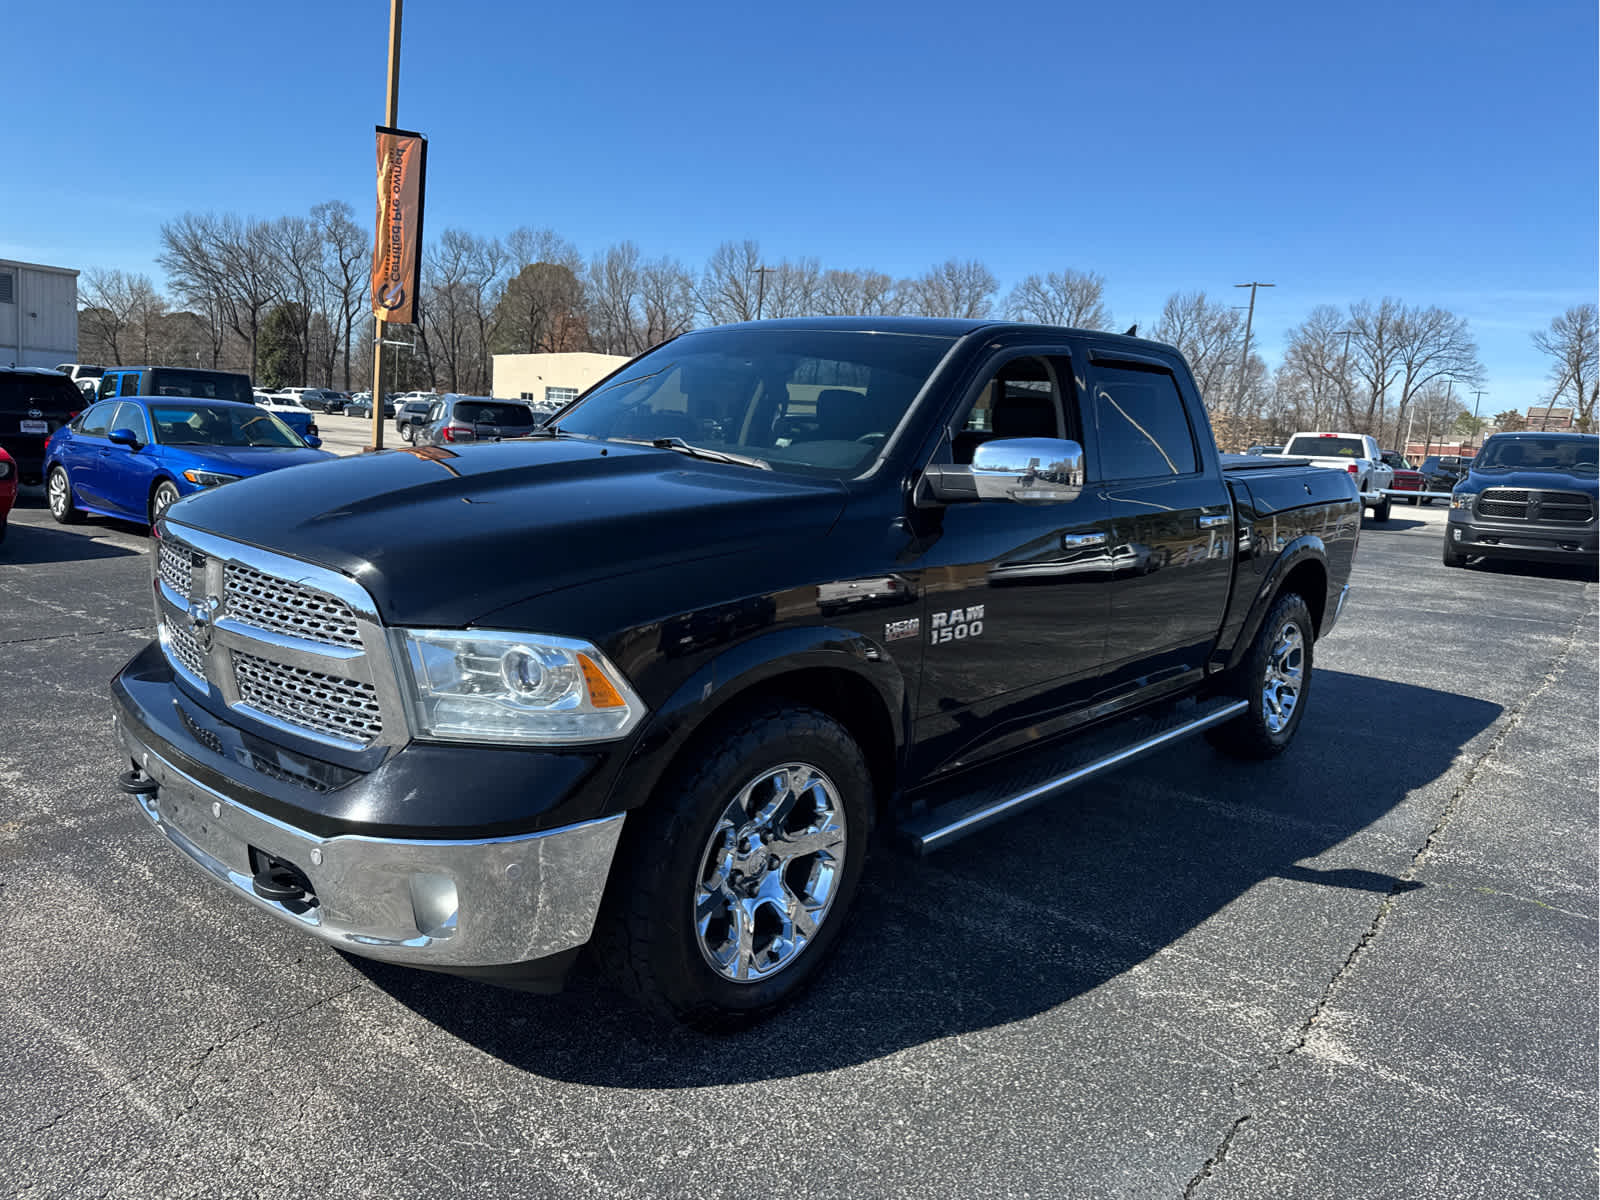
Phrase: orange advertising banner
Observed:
(397, 248)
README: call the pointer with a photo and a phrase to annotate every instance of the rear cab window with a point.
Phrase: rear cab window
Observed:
(1326, 447)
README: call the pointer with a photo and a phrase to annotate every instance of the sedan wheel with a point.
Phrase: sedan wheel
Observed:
(165, 496)
(58, 493)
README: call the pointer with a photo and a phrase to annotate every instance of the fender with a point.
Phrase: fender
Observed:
(1306, 548)
(742, 667)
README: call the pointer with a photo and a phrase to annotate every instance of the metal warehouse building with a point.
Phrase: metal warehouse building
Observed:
(38, 314)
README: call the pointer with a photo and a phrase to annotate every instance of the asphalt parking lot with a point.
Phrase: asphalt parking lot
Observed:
(1365, 970)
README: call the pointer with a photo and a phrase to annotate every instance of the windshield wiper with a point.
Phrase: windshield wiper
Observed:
(722, 456)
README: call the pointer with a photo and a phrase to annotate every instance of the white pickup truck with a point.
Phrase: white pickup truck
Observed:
(1357, 453)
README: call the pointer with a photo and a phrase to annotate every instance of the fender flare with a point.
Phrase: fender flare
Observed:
(1306, 548)
(747, 665)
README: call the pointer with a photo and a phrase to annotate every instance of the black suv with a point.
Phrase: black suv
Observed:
(34, 403)
(452, 418)
(1441, 472)
(1527, 496)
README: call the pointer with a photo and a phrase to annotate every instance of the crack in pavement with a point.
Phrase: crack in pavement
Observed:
(197, 1066)
(1511, 721)
(56, 637)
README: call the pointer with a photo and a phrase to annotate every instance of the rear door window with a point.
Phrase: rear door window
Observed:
(1142, 424)
(509, 416)
(130, 383)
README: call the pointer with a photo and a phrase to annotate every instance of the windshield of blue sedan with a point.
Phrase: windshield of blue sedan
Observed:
(808, 399)
(1566, 455)
(220, 425)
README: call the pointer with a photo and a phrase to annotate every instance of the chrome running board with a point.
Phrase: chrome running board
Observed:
(941, 826)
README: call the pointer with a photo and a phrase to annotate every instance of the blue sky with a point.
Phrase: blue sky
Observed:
(1440, 153)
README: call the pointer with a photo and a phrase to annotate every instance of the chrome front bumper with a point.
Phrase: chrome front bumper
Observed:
(440, 904)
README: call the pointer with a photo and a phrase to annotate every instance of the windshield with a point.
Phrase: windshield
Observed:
(1565, 455)
(1326, 447)
(479, 412)
(807, 399)
(1397, 460)
(220, 425)
(201, 385)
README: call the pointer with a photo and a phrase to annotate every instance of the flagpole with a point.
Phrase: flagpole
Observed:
(391, 117)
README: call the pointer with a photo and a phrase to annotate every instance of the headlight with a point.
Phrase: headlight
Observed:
(474, 686)
(1462, 499)
(5, 470)
(208, 478)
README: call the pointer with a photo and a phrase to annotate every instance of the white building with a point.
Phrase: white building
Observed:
(556, 378)
(38, 314)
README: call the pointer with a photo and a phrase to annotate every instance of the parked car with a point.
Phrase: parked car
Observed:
(1530, 497)
(360, 405)
(133, 456)
(317, 400)
(453, 419)
(1354, 453)
(190, 382)
(1406, 477)
(291, 412)
(34, 403)
(1441, 472)
(85, 376)
(411, 412)
(8, 488)
(579, 689)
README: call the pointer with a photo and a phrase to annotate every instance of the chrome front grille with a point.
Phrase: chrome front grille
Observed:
(326, 704)
(175, 563)
(278, 640)
(281, 606)
(181, 646)
(1518, 504)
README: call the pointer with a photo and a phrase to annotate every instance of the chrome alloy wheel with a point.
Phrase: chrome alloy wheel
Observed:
(57, 494)
(1280, 690)
(769, 872)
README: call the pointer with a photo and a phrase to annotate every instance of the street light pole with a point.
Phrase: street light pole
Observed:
(1244, 358)
(1477, 436)
(761, 287)
(391, 116)
(1344, 368)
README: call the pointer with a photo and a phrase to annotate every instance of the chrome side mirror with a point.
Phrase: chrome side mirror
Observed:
(1028, 470)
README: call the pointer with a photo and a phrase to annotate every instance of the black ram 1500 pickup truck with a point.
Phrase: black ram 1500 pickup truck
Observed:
(646, 682)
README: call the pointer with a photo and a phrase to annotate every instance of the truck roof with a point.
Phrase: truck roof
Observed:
(952, 327)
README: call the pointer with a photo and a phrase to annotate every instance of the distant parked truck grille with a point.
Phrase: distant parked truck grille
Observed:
(280, 606)
(322, 703)
(1516, 504)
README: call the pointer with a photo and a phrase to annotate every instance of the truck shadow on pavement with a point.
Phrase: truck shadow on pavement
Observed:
(1030, 914)
(27, 545)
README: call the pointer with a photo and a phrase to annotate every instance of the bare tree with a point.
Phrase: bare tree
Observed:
(1067, 297)
(1209, 334)
(1431, 344)
(346, 271)
(614, 287)
(224, 265)
(1314, 380)
(113, 303)
(862, 293)
(296, 252)
(731, 282)
(1376, 354)
(666, 293)
(1573, 342)
(792, 289)
(1436, 407)
(952, 289)
(542, 307)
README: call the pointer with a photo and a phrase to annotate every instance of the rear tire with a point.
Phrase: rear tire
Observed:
(1275, 678)
(732, 886)
(58, 494)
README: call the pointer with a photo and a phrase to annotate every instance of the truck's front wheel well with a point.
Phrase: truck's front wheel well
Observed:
(1310, 579)
(845, 697)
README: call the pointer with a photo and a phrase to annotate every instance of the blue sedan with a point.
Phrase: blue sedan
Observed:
(132, 456)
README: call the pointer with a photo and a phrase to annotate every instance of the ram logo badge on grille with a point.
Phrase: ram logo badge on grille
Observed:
(200, 620)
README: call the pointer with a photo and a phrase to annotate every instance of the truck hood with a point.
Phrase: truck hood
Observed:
(1544, 481)
(441, 537)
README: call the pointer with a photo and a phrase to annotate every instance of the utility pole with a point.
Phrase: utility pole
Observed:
(1477, 435)
(1344, 369)
(761, 287)
(391, 117)
(1244, 358)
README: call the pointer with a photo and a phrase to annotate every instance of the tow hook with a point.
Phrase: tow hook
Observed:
(137, 783)
(281, 882)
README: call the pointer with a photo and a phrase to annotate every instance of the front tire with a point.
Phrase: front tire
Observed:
(58, 494)
(732, 886)
(163, 498)
(1452, 558)
(408, 434)
(1380, 510)
(1275, 678)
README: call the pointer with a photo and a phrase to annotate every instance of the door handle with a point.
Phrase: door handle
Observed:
(1211, 522)
(1078, 541)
